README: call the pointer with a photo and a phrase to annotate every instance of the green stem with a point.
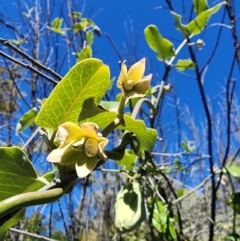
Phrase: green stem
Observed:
(29, 199)
(117, 121)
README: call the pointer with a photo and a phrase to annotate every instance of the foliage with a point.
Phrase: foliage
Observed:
(134, 184)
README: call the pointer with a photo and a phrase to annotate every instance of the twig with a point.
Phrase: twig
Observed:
(28, 66)
(32, 234)
(30, 59)
(192, 191)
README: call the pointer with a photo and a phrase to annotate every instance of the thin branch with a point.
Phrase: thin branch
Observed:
(30, 59)
(28, 66)
(40, 237)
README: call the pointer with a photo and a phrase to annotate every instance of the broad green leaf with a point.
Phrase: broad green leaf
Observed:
(163, 48)
(26, 120)
(146, 137)
(85, 53)
(88, 78)
(89, 37)
(184, 64)
(17, 175)
(200, 6)
(128, 159)
(234, 170)
(198, 24)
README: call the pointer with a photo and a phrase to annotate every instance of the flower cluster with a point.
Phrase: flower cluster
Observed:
(82, 146)
(132, 82)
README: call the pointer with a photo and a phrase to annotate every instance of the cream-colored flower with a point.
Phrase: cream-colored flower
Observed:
(82, 146)
(132, 82)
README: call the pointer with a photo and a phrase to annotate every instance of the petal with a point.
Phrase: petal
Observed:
(137, 70)
(142, 86)
(79, 145)
(84, 167)
(123, 74)
(69, 131)
(102, 142)
(59, 154)
(90, 129)
(101, 154)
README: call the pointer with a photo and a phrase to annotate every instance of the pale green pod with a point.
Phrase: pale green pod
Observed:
(129, 207)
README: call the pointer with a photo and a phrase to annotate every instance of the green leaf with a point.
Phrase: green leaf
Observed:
(17, 176)
(57, 23)
(110, 105)
(162, 222)
(11, 222)
(184, 64)
(198, 24)
(146, 137)
(178, 164)
(163, 47)
(200, 6)
(180, 192)
(89, 37)
(88, 78)
(85, 53)
(26, 120)
(187, 146)
(234, 202)
(234, 170)
(17, 173)
(76, 15)
(128, 159)
(232, 237)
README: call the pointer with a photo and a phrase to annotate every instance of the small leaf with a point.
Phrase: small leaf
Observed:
(180, 192)
(26, 120)
(85, 53)
(163, 47)
(57, 23)
(178, 164)
(234, 170)
(110, 105)
(198, 24)
(187, 146)
(128, 159)
(76, 15)
(89, 37)
(200, 6)
(184, 64)
(88, 78)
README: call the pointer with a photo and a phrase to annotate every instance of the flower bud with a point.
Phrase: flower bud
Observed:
(91, 147)
(128, 85)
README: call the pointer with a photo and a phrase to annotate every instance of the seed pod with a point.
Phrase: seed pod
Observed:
(91, 147)
(129, 207)
(128, 85)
